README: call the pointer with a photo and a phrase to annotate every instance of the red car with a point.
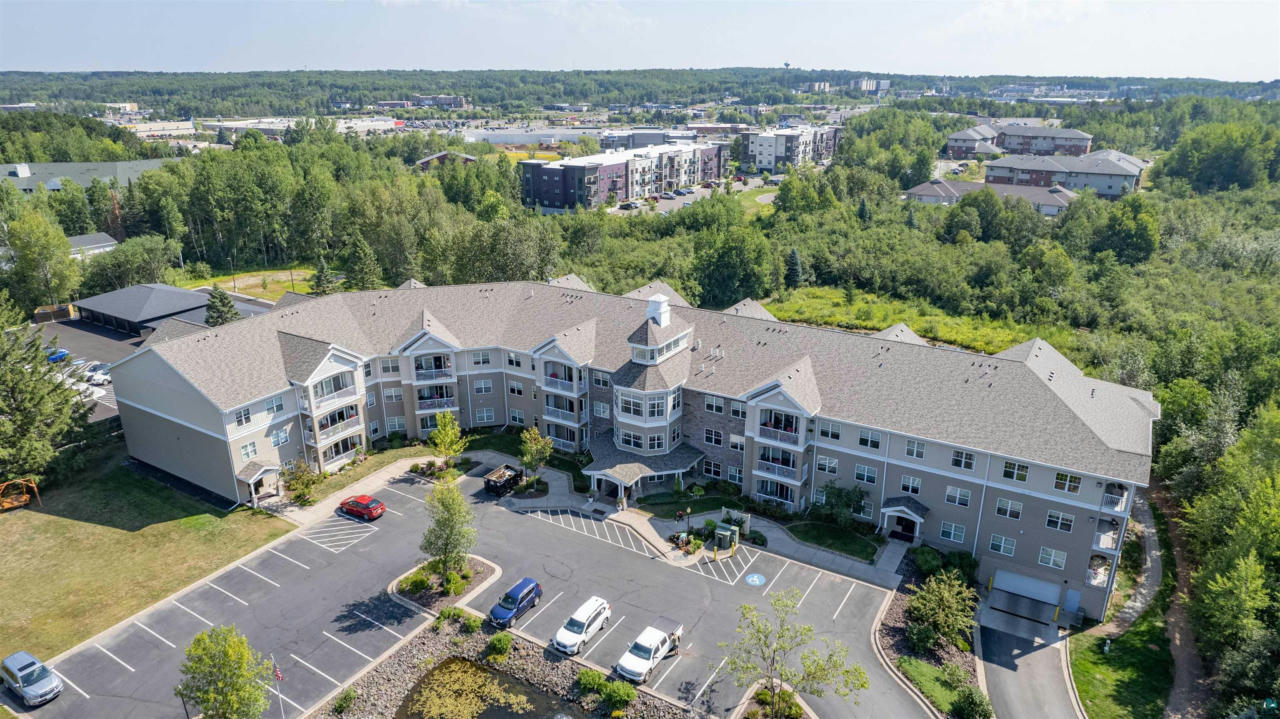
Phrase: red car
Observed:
(739, 178)
(363, 506)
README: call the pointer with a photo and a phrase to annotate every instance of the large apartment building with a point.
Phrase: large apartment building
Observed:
(1109, 173)
(1022, 139)
(587, 182)
(1016, 457)
(776, 149)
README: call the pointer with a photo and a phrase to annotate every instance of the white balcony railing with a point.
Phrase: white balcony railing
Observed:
(334, 430)
(564, 385)
(563, 445)
(1097, 577)
(1115, 502)
(437, 403)
(560, 414)
(776, 470)
(433, 375)
(1108, 541)
(343, 458)
(778, 435)
(345, 393)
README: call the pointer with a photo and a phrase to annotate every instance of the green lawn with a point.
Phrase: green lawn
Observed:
(278, 280)
(105, 545)
(1132, 681)
(751, 205)
(665, 506)
(844, 541)
(928, 679)
(376, 461)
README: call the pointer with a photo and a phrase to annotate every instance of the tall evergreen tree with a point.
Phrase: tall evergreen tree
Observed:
(864, 212)
(323, 282)
(363, 271)
(795, 270)
(221, 309)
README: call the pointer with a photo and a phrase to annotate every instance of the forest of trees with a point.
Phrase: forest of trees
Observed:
(53, 137)
(1175, 289)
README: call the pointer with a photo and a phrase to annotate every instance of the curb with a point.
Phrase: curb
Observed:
(915, 693)
(740, 708)
(1076, 704)
(979, 669)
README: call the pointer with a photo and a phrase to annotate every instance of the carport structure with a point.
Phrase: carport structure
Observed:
(138, 309)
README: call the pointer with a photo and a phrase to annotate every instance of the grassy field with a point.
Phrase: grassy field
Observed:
(517, 155)
(827, 307)
(106, 545)
(278, 282)
(928, 679)
(750, 204)
(1126, 573)
(837, 540)
(1133, 679)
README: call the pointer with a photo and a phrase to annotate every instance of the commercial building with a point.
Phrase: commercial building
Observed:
(1017, 457)
(167, 128)
(644, 137)
(587, 182)
(777, 149)
(1048, 201)
(27, 176)
(447, 102)
(1109, 173)
(277, 126)
(396, 104)
(141, 309)
(1019, 139)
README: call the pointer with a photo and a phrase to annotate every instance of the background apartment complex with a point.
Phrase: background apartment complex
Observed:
(588, 182)
(1110, 173)
(777, 149)
(1022, 139)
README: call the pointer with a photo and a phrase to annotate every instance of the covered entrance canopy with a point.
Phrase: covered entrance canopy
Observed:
(902, 516)
(615, 472)
(257, 475)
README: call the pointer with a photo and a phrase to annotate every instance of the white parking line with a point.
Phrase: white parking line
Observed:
(118, 659)
(404, 494)
(374, 621)
(157, 636)
(392, 510)
(229, 594)
(291, 702)
(69, 682)
(188, 611)
(259, 576)
(842, 601)
(673, 666)
(747, 566)
(348, 646)
(708, 682)
(775, 577)
(602, 638)
(336, 683)
(300, 564)
(544, 608)
(806, 592)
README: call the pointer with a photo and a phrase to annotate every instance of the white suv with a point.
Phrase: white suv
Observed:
(590, 618)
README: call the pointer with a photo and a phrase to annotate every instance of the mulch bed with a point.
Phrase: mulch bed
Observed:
(435, 599)
(893, 630)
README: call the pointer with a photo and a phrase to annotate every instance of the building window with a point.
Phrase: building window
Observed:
(484, 415)
(657, 406)
(244, 417)
(481, 359)
(631, 404)
(711, 469)
(820, 495)
(1016, 472)
(428, 423)
(513, 360)
(828, 430)
(1060, 521)
(738, 410)
(915, 449)
(676, 399)
(952, 531)
(910, 485)
(368, 369)
(517, 416)
(600, 379)
(275, 405)
(713, 436)
(867, 509)
(280, 436)
(737, 444)
(600, 409)
(371, 400)
(630, 439)
(373, 428)
(774, 490)
(1068, 483)
(395, 424)
(393, 395)
(516, 388)
(714, 404)
(248, 451)
(675, 435)
(958, 497)
(1008, 508)
(735, 475)
(657, 441)
(1001, 544)
(867, 438)
(483, 386)
(389, 366)
(962, 459)
(1053, 558)
(830, 465)
(863, 473)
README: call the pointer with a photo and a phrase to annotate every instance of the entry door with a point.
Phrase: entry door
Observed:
(1072, 604)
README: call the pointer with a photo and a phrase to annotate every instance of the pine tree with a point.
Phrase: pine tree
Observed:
(323, 283)
(221, 309)
(364, 272)
(795, 270)
(912, 222)
(864, 212)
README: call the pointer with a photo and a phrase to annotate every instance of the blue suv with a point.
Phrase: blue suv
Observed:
(518, 600)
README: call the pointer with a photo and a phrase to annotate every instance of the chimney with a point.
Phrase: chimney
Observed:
(659, 310)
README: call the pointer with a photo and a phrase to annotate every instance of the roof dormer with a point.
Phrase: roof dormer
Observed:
(661, 335)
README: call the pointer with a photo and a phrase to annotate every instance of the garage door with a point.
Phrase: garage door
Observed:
(1026, 586)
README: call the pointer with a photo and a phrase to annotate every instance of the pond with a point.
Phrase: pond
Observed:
(461, 689)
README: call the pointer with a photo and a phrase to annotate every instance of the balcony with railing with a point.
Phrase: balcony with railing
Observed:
(1099, 574)
(340, 459)
(346, 393)
(1107, 538)
(560, 415)
(434, 403)
(564, 445)
(559, 378)
(773, 469)
(778, 435)
(1115, 498)
(433, 375)
(779, 427)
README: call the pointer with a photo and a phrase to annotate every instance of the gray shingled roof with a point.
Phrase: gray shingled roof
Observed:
(143, 303)
(628, 467)
(750, 308)
(571, 282)
(50, 174)
(301, 355)
(911, 503)
(658, 287)
(900, 333)
(289, 299)
(1102, 162)
(650, 334)
(952, 190)
(91, 241)
(977, 132)
(1030, 404)
(1043, 131)
(172, 328)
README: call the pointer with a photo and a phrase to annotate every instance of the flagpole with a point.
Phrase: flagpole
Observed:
(275, 678)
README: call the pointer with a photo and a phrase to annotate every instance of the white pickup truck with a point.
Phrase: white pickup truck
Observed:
(650, 648)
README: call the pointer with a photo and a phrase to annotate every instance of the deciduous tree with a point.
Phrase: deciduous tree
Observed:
(446, 439)
(449, 534)
(223, 677)
(535, 449)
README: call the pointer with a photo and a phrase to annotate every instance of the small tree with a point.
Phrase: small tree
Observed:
(843, 504)
(450, 535)
(221, 309)
(323, 282)
(447, 440)
(364, 272)
(778, 652)
(535, 449)
(223, 676)
(795, 270)
(946, 603)
(300, 479)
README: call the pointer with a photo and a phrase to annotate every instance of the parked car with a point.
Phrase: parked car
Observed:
(582, 625)
(774, 181)
(667, 196)
(649, 649)
(688, 204)
(519, 599)
(29, 679)
(955, 171)
(628, 206)
(739, 178)
(98, 373)
(56, 354)
(362, 506)
(502, 480)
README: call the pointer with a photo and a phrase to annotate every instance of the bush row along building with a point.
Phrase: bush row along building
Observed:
(588, 182)
(999, 138)
(1016, 457)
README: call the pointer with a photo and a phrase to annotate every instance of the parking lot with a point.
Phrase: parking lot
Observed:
(316, 602)
(92, 343)
(698, 194)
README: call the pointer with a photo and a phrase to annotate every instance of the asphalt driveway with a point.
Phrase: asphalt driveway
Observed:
(1025, 678)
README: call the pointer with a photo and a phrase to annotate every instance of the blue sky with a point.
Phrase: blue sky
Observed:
(1221, 39)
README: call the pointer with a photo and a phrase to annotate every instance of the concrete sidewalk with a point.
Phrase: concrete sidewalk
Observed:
(287, 509)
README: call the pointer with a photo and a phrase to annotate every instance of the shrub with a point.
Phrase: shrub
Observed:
(709, 526)
(945, 602)
(921, 637)
(467, 574)
(954, 675)
(696, 491)
(928, 561)
(694, 545)
(415, 468)
(499, 644)
(787, 706)
(199, 270)
(448, 614)
(591, 681)
(471, 624)
(618, 694)
(964, 563)
(971, 703)
(757, 538)
(344, 700)
(419, 581)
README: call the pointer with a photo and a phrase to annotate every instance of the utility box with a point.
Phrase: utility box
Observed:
(729, 532)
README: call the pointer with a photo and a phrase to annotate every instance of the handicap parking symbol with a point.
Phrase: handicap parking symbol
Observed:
(755, 580)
